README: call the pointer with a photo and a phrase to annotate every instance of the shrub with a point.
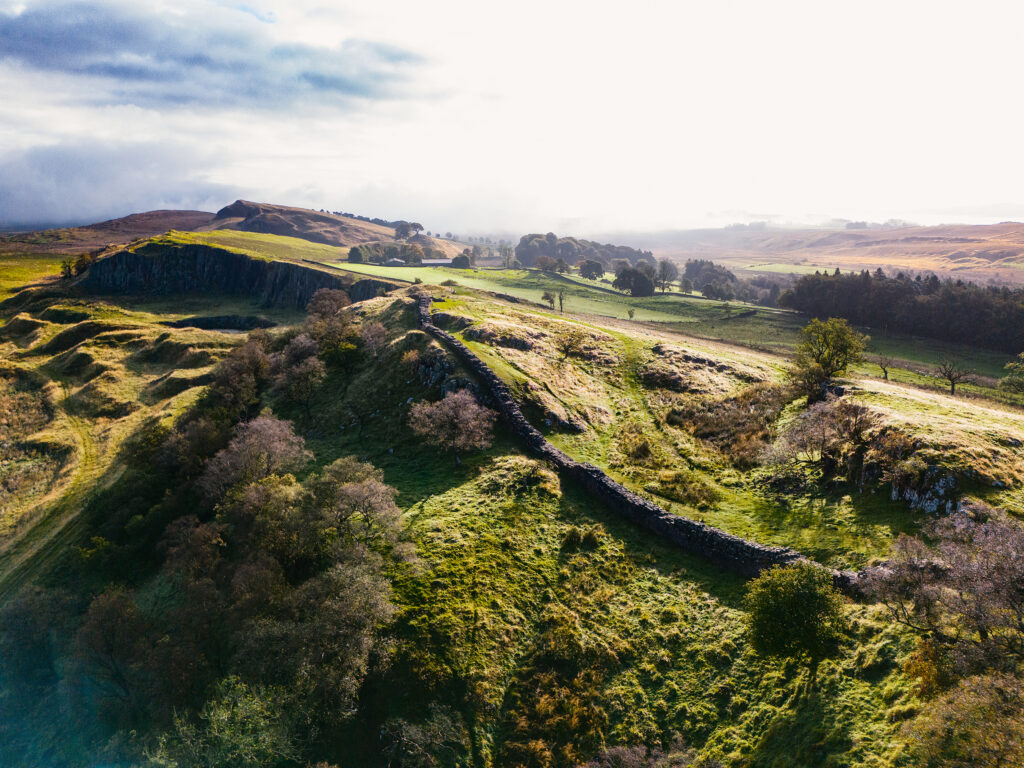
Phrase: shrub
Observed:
(794, 611)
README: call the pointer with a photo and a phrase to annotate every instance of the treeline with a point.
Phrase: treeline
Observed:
(984, 316)
(571, 250)
(378, 253)
(716, 282)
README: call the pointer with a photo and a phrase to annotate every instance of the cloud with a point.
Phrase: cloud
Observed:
(85, 182)
(223, 58)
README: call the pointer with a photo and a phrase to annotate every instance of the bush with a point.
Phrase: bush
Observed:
(794, 611)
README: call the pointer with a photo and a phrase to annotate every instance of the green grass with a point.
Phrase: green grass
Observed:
(17, 270)
(660, 634)
(260, 245)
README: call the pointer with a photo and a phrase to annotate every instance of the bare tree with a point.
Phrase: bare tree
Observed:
(549, 298)
(373, 335)
(328, 302)
(561, 301)
(456, 423)
(953, 372)
(885, 363)
(965, 590)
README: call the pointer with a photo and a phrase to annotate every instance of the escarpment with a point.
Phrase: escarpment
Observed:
(167, 268)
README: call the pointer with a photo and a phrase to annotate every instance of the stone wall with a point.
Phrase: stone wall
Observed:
(191, 268)
(740, 556)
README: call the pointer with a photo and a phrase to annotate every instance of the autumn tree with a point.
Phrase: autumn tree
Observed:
(962, 587)
(301, 380)
(457, 423)
(794, 611)
(328, 303)
(259, 448)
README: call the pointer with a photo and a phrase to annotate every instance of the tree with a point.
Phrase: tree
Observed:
(561, 301)
(549, 298)
(328, 303)
(461, 262)
(545, 263)
(67, 268)
(457, 423)
(953, 372)
(570, 342)
(355, 255)
(631, 312)
(634, 281)
(794, 611)
(301, 380)
(261, 447)
(373, 335)
(668, 273)
(826, 349)
(964, 589)
(978, 724)
(240, 726)
(1013, 381)
(885, 363)
(590, 269)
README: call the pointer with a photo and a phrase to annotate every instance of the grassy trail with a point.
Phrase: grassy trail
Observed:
(32, 550)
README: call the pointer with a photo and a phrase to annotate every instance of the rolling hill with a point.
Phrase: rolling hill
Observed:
(972, 252)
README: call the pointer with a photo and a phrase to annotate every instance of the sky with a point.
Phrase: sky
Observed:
(479, 117)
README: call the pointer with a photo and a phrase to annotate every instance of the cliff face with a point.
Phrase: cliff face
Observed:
(169, 269)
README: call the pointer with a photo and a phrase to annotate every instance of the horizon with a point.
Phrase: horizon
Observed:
(533, 119)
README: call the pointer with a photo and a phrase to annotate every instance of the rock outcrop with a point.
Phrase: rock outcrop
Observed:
(164, 268)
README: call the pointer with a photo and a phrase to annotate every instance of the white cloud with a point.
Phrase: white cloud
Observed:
(596, 116)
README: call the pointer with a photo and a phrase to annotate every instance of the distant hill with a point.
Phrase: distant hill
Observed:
(242, 215)
(317, 227)
(93, 237)
(973, 252)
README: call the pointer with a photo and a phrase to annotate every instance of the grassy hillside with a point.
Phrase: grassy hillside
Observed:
(542, 623)
(621, 641)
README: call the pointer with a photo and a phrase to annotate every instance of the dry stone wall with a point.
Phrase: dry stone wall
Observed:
(740, 556)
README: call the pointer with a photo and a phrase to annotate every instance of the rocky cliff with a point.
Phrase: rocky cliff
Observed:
(164, 268)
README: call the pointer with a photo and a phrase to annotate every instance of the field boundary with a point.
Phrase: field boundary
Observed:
(741, 556)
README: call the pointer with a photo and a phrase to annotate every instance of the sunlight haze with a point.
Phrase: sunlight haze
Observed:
(585, 117)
